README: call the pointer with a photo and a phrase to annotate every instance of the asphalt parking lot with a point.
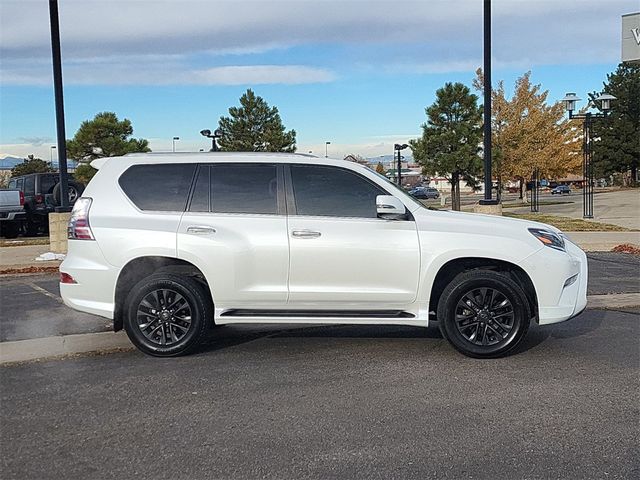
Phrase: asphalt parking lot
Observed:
(334, 402)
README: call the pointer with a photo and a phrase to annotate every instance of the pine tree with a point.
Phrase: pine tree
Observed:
(618, 147)
(451, 138)
(31, 164)
(255, 127)
(103, 136)
(106, 133)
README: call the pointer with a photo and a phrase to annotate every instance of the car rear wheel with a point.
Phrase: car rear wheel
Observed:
(484, 313)
(167, 315)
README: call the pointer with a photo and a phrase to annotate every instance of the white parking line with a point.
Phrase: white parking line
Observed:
(44, 292)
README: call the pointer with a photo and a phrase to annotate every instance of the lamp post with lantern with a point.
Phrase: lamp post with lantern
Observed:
(570, 100)
(398, 148)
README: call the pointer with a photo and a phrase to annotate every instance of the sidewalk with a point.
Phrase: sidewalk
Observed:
(603, 241)
(14, 259)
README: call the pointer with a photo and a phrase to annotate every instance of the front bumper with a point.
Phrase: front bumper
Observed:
(550, 269)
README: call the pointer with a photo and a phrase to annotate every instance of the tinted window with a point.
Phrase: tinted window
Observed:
(244, 188)
(20, 183)
(332, 191)
(47, 182)
(163, 187)
(200, 196)
(30, 185)
(12, 184)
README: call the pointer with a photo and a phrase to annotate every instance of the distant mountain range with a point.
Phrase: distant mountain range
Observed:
(390, 159)
(7, 163)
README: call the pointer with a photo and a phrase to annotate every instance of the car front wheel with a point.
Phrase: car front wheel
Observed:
(484, 313)
(167, 315)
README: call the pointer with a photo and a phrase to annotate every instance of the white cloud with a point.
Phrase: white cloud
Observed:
(166, 73)
(143, 33)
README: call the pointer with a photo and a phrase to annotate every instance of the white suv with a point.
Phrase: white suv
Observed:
(169, 245)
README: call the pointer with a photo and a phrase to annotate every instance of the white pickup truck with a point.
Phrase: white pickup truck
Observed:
(12, 214)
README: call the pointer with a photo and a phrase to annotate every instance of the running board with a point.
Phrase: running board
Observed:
(318, 313)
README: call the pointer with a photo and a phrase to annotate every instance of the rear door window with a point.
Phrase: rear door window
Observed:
(158, 187)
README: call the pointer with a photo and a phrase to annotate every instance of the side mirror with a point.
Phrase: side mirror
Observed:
(390, 207)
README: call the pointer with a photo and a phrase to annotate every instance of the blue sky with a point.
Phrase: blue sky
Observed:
(356, 73)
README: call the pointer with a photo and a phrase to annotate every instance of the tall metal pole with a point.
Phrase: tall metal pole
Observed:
(487, 105)
(57, 86)
(399, 169)
(587, 170)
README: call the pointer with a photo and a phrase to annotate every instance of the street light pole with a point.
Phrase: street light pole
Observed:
(57, 87)
(51, 155)
(486, 145)
(570, 100)
(398, 148)
(213, 136)
(326, 149)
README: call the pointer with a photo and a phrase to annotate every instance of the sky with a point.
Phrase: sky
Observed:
(356, 73)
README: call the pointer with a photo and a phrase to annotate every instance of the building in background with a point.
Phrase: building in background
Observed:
(631, 38)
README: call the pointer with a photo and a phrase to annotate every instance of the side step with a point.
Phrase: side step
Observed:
(318, 313)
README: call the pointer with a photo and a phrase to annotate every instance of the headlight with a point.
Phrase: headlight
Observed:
(549, 238)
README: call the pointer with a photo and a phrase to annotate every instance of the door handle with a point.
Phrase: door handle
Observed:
(305, 234)
(200, 230)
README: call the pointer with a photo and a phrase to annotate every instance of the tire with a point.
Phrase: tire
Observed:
(169, 332)
(478, 331)
(75, 191)
(10, 229)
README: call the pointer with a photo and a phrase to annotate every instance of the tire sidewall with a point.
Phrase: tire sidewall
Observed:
(464, 283)
(190, 290)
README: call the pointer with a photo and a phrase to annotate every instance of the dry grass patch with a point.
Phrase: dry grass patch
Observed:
(568, 224)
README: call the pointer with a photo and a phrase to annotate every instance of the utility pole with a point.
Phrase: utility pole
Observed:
(57, 87)
(488, 184)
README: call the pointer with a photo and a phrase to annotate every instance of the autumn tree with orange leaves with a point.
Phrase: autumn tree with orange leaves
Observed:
(528, 133)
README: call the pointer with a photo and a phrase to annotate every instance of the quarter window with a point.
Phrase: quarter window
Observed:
(47, 182)
(332, 191)
(160, 187)
(30, 185)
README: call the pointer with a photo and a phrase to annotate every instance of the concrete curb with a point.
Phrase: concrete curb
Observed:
(616, 300)
(51, 347)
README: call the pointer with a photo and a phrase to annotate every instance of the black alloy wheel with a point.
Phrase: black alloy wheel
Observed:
(164, 316)
(167, 314)
(484, 316)
(484, 313)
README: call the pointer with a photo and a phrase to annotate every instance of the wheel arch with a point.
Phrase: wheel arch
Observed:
(140, 267)
(449, 269)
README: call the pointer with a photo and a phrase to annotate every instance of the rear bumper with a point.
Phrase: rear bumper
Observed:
(94, 291)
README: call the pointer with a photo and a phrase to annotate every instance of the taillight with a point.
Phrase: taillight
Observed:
(66, 278)
(79, 228)
(21, 198)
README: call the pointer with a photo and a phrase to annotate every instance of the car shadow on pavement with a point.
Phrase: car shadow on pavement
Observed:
(578, 326)
(226, 336)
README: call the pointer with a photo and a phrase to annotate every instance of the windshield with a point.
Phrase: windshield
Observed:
(398, 191)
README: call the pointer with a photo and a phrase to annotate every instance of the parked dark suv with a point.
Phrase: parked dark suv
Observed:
(41, 196)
